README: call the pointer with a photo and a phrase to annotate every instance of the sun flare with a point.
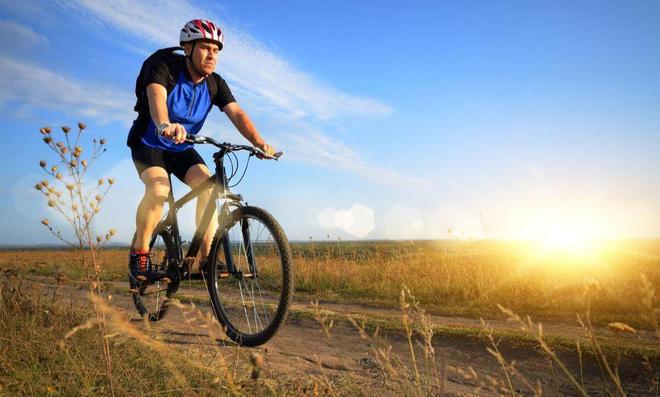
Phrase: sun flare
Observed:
(574, 236)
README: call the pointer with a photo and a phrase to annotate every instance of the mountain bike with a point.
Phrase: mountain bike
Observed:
(250, 276)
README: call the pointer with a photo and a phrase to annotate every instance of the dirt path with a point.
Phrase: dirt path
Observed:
(301, 348)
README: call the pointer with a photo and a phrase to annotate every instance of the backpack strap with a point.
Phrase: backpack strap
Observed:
(212, 85)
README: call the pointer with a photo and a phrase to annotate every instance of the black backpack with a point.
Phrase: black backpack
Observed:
(175, 61)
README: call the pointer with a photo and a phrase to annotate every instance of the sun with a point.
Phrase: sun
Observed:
(574, 236)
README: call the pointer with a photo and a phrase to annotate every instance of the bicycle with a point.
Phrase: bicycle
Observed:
(250, 279)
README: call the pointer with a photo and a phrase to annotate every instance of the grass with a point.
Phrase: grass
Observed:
(53, 363)
(51, 347)
(449, 277)
(38, 359)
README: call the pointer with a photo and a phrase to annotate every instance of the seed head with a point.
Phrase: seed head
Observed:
(64, 150)
(102, 141)
(51, 203)
(38, 186)
(257, 361)
(73, 163)
(58, 176)
(112, 232)
(69, 186)
(45, 222)
(100, 181)
(42, 163)
(82, 125)
(42, 130)
(97, 210)
(98, 197)
(621, 327)
(592, 284)
(47, 129)
(84, 163)
(53, 168)
(111, 180)
(45, 183)
(99, 239)
(66, 129)
(74, 207)
(47, 139)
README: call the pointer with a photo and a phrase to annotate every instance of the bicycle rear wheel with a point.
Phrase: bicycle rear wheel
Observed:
(251, 284)
(152, 299)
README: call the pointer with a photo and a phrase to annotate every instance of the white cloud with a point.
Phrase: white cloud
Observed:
(37, 86)
(315, 147)
(256, 73)
(262, 80)
(15, 31)
(358, 220)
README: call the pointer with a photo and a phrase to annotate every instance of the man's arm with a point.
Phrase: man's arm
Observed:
(157, 95)
(244, 125)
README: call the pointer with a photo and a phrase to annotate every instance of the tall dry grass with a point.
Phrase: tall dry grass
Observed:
(452, 277)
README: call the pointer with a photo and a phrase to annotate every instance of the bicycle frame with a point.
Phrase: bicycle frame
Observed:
(219, 189)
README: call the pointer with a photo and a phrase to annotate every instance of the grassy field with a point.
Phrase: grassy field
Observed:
(468, 278)
(447, 277)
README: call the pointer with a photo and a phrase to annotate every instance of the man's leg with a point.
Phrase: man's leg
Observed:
(150, 210)
(196, 175)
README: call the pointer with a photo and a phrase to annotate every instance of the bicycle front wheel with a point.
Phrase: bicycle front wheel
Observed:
(251, 284)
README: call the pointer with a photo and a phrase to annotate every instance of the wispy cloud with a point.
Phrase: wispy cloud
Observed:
(16, 31)
(254, 71)
(36, 86)
(261, 79)
(317, 148)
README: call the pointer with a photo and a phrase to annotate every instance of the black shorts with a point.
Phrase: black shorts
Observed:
(177, 163)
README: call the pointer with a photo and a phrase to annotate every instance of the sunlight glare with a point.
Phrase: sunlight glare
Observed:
(575, 237)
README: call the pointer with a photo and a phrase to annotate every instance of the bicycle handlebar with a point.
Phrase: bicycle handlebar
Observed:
(199, 139)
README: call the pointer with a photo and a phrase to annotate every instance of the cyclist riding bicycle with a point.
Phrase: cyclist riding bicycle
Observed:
(175, 93)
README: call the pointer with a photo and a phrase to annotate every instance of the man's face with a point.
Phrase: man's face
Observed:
(204, 55)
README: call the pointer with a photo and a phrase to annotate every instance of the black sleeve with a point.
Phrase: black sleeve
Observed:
(157, 71)
(223, 96)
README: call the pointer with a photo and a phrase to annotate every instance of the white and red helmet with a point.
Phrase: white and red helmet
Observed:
(199, 29)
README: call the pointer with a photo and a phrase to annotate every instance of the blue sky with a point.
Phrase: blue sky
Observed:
(498, 119)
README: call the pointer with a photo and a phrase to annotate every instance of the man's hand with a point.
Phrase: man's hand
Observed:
(266, 148)
(176, 132)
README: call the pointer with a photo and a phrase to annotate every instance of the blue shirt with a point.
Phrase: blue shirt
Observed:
(187, 104)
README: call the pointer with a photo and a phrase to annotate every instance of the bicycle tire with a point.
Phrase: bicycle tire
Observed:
(152, 299)
(263, 267)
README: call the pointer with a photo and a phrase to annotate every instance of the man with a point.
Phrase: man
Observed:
(175, 93)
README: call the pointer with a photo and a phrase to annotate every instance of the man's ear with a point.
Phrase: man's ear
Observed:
(187, 48)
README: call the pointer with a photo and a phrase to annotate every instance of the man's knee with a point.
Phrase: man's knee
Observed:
(157, 189)
(156, 183)
(157, 192)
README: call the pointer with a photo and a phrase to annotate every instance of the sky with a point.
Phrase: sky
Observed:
(432, 120)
